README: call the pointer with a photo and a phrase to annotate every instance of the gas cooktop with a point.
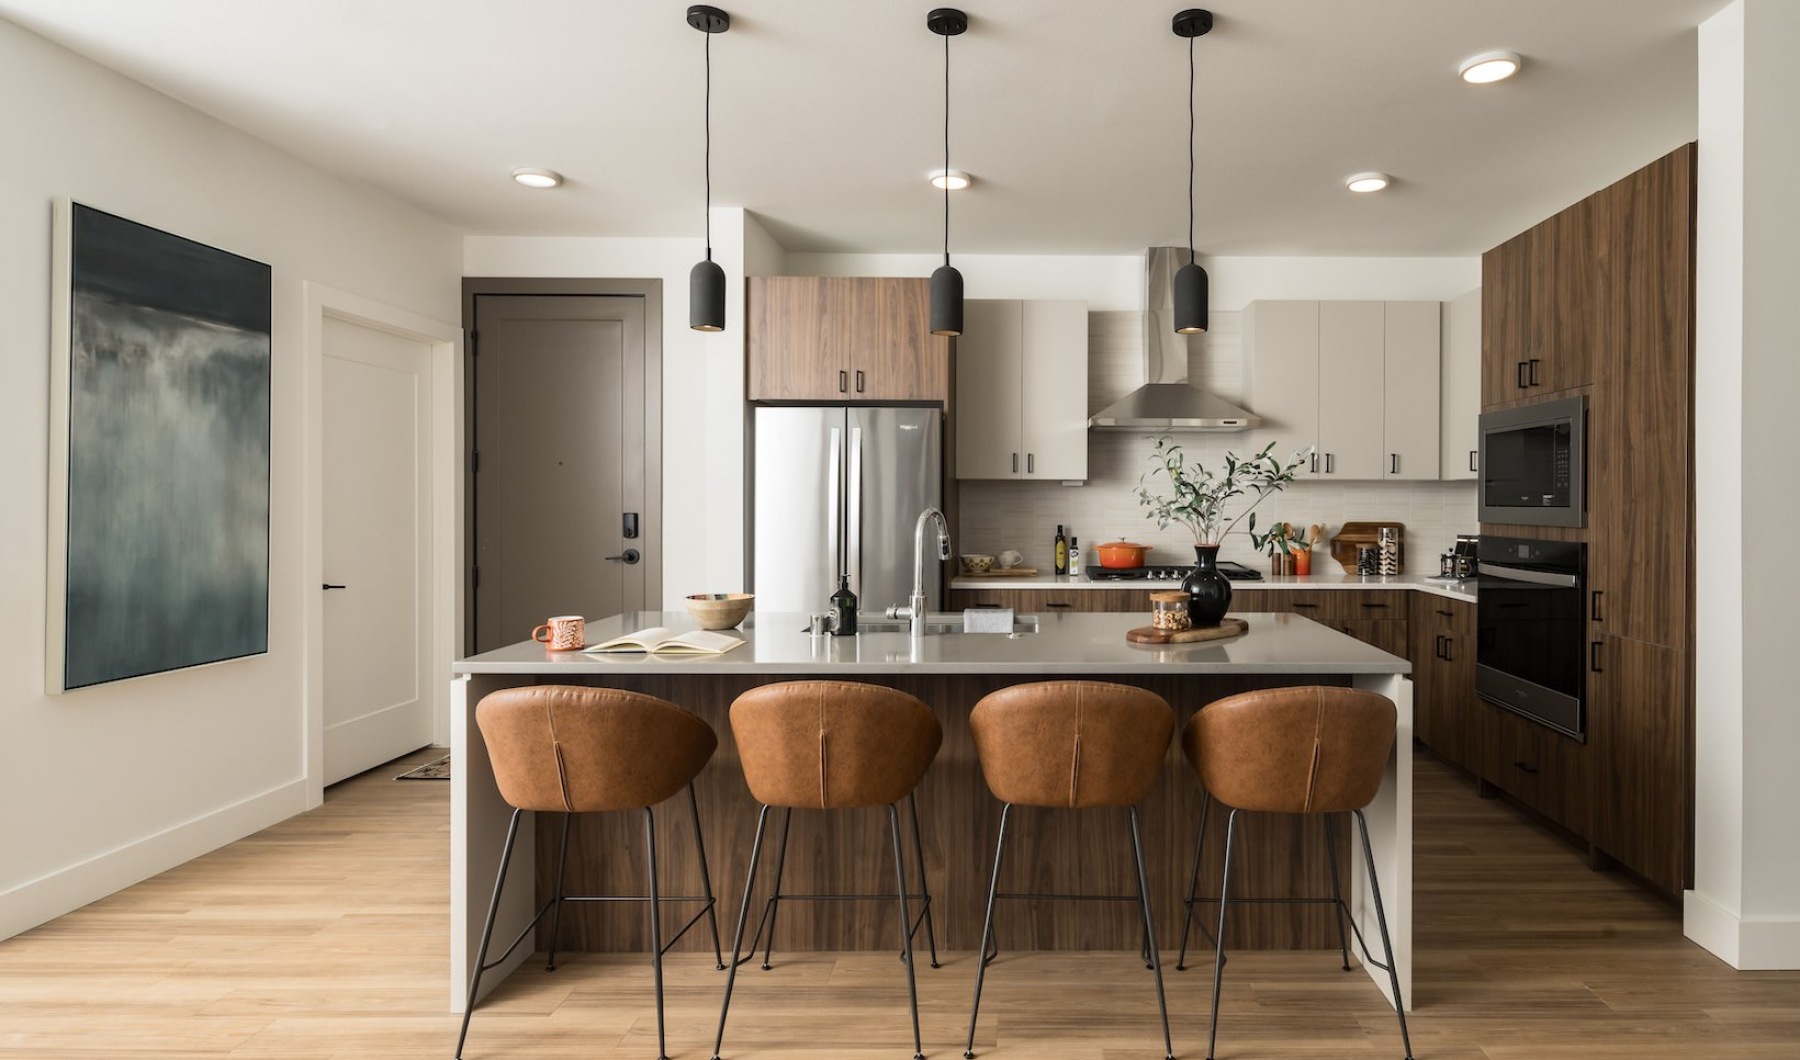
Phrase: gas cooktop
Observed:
(1236, 572)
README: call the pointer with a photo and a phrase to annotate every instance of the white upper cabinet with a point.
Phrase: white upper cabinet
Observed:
(1461, 388)
(1021, 390)
(1357, 380)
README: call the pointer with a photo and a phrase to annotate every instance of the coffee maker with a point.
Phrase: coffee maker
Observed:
(1459, 562)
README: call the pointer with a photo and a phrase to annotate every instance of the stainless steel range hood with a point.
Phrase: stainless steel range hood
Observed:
(1166, 402)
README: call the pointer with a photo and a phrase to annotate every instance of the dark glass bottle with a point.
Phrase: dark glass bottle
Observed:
(1061, 546)
(843, 608)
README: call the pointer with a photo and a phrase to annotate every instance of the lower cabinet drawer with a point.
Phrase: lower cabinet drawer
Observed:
(1543, 769)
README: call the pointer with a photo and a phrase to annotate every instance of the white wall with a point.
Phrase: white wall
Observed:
(703, 379)
(105, 786)
(1745, 905)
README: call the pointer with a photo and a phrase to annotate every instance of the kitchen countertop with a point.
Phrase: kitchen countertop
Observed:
(1464, 590)
(1065, 643)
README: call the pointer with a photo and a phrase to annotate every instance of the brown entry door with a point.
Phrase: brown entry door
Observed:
(560, 463)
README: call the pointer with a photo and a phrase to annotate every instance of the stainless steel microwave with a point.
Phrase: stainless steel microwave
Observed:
(1534, 464)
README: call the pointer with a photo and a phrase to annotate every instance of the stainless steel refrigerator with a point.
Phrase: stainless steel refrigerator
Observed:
(839, 490)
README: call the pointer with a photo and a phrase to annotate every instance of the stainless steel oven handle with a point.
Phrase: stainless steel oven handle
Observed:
(1536, 577)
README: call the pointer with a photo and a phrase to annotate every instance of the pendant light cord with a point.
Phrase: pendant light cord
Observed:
(946, 149)
(1190, 150)
(709, 38)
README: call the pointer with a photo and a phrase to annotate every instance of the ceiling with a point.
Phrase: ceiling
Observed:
(826, 113)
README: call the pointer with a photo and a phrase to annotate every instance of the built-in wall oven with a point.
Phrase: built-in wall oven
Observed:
(1530, 634)
(1534, 464)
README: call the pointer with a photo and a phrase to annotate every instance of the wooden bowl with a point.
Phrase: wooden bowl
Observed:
(719, 610)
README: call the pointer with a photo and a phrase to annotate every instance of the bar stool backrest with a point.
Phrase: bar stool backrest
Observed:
(584, 750)
(1071, 744)
(1293, 750)
(827, 745)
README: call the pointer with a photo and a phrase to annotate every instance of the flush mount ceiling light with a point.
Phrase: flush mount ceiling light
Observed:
(706, 283)
(949, 179)
(946, 282)
(1363, 183)
(537, 178)
(1190, 280)
(1488, 67)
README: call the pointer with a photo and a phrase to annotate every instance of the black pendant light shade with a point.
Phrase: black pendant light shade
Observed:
(706, 296)
(706, 283)
(1190, 299)
(946, 301)
(1190, 279)
(946, 282)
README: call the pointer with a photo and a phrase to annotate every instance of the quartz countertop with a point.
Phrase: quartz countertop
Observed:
(1464, 590)
(1064, 644)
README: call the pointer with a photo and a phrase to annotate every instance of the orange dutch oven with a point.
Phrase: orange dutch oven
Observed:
(1121, 555)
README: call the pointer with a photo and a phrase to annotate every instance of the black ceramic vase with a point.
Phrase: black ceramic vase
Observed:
(1209, 592)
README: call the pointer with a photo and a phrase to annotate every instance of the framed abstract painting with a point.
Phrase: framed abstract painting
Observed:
(159, 452)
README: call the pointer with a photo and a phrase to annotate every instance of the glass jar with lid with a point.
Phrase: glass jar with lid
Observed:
(1169, 611)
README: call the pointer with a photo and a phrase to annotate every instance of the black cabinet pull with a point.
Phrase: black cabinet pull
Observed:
(1330, 464)
(1015, 463)
(1393, 463)
(1438, 649)
(1031, 463)
(1472, 466)
(1446, 614)
(843, 381)
(1305, 607)
(1448, 655)
(1522, 766)
(1315, 463)
(1060, 606)
(1534, 362)
(1594, 605)
(328, 585)
(1519, 376)
(859, 380)
(1373, 605)
(1594, 657)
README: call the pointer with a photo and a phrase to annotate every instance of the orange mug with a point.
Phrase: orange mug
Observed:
(562, 633)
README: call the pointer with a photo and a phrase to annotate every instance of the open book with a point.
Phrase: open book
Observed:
(660, 641)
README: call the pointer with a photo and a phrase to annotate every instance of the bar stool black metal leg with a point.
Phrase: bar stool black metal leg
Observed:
(912, 800)
(1212, 1034)
(912, 986)
(487, 931)
(712, 915)
(787, 818)
(1187, 906)
(1339, 912)
(656, 947)
(737, 938)
(562, 861)
(987, 930)
(1393, 967)
(1143, 878)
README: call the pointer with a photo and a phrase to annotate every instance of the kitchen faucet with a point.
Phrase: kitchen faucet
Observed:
(914, 611)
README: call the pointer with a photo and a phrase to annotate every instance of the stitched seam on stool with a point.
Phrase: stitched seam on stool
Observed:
(824, 786)
(1075, 763)
(562, 772)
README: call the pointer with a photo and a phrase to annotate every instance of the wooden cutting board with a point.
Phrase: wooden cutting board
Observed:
(1227, 627)
(1004, 572)
(1352, 536)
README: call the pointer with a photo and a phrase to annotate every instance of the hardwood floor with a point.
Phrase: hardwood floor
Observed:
(323, 937)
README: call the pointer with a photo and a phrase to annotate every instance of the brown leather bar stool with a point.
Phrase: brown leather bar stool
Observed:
(833, 745)
(1073, 745)
(569, 750)
(1292, 750)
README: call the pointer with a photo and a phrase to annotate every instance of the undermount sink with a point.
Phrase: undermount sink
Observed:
(938, 622)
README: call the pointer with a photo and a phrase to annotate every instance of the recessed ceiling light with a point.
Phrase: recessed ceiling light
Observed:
(949, 179)
(537, 178)
(1488, 67)
(1367, 182)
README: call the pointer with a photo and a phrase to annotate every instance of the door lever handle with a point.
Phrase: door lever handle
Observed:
(630, 555)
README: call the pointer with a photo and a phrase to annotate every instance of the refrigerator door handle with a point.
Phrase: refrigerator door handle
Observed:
(834, 502)
(853, 509)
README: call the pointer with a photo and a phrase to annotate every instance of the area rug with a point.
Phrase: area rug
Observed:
(438, 770)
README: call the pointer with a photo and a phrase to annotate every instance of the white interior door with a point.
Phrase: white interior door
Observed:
(377, 546)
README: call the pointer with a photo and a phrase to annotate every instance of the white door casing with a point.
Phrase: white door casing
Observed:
(377, 546)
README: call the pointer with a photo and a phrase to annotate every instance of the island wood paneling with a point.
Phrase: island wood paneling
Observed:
(1074, 852)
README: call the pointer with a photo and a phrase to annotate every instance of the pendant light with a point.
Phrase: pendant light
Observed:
(706, 283)
(1190, 279)
(946, 282)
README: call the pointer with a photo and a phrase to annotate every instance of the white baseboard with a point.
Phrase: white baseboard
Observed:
(48, 897)
(1745, 943)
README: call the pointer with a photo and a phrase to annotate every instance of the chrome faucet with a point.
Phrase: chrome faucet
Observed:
(914, 611)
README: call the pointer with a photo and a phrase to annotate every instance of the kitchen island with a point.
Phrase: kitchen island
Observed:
(1061, 852)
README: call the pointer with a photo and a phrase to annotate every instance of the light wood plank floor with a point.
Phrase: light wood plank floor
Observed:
(323, 937)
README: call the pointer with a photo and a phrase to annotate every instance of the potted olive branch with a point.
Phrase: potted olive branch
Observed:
(1197, 500)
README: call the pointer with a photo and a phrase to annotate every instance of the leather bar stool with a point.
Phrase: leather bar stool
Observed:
(1073, 745)
(833, 745)
(1310, 750)
(569, 750)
